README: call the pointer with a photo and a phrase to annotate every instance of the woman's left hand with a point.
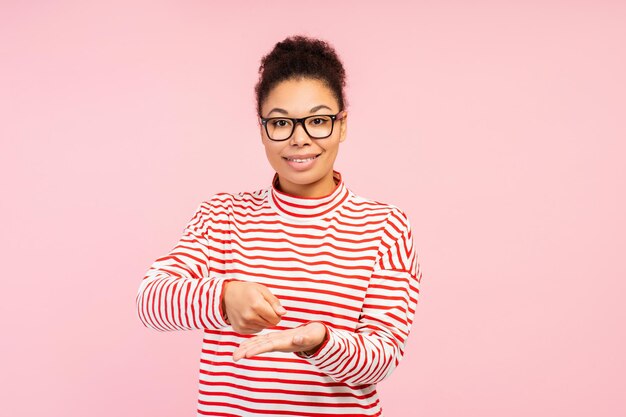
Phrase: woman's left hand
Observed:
(305, 338)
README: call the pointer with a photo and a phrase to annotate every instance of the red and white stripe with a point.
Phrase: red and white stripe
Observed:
(343, 260)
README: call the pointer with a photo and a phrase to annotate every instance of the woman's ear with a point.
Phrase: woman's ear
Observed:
(344, 126)
(260, 129)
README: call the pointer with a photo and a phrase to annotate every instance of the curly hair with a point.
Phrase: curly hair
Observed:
(300, 56)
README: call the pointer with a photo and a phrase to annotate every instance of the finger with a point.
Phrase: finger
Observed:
(253, 347)
(256, 323)
(263, 347)
(264, 343)
(267, 315)
(273, 301)
(254, 343)
(253, 340)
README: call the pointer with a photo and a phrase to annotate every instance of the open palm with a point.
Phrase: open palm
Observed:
(304, 338)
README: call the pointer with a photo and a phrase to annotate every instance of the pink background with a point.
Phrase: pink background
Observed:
(499, 129)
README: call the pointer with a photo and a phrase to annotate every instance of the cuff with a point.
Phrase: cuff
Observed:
(219, 314)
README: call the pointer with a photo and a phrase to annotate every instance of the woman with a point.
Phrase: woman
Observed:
(305, 291)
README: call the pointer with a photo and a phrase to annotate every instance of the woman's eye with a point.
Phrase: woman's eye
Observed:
(280, 123)
(318, 121)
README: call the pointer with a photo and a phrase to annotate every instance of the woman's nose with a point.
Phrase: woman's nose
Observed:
(299, 134)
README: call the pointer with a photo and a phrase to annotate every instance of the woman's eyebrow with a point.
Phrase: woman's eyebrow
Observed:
(313, 110)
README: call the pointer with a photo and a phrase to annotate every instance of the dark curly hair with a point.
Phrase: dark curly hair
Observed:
(300, 56)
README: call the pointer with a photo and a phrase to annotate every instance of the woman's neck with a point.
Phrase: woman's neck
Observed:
(321, 188)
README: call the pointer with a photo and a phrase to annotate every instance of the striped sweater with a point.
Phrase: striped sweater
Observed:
(343, 260)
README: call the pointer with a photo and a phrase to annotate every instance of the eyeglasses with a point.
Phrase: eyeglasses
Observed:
(318, 126)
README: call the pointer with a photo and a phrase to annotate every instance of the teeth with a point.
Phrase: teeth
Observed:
(302, 160)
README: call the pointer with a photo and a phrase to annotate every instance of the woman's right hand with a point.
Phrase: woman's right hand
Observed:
(250, 306)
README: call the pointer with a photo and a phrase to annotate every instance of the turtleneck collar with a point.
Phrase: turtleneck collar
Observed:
(308, 208)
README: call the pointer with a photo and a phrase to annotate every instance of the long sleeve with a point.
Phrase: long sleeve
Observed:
(373, 351)
(177, 292)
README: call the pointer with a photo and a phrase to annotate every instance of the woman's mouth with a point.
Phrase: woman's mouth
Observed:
(300, 160)
(301, 164)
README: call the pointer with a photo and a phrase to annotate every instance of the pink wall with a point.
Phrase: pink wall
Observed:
(498, 128)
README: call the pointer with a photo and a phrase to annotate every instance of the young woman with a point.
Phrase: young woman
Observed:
(305, 291)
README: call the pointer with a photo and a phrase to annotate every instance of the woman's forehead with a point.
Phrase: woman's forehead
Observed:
(300, 96)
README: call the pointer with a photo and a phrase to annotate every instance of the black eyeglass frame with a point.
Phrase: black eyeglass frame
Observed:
(301, 120)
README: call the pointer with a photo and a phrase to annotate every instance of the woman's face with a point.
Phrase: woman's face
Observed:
(300, 98)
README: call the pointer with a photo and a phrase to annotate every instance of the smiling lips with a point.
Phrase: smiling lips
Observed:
(301, 158)
(301, 162)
